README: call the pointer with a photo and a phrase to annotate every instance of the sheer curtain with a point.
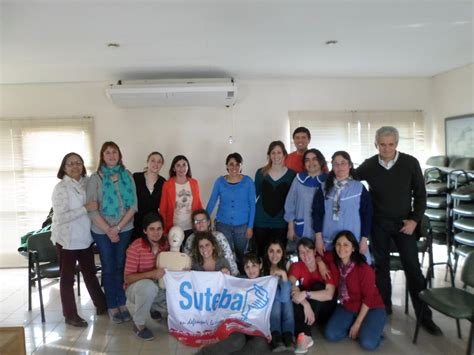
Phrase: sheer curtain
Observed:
(354, 131)
(31, 151)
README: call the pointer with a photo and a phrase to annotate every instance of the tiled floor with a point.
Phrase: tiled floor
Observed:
(104, 337)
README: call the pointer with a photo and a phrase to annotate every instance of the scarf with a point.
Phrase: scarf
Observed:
(306, 180)
(336, 206)
(110, 199)
(344, 270)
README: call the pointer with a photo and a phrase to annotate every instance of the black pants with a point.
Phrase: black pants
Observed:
(383, 232)
(263, 236)
(322, 311)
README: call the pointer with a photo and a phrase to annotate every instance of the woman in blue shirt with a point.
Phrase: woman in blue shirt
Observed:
(236, 211)
(342, 203)
(298, 204)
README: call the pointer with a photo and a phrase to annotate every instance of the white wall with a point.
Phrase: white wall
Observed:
(453, 95)
(260, 116)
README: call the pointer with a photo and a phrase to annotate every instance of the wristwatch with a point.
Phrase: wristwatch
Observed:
(308, 295)
(118, 227)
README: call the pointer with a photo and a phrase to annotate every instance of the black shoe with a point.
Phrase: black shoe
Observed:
(288, 341)
(155, 315)
(277, 344)
(76, 321)
(431, 327)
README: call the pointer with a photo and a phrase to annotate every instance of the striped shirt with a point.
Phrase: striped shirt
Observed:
(140, 258)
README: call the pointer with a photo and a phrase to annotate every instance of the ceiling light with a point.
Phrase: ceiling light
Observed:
(113, 45)
(331, 42)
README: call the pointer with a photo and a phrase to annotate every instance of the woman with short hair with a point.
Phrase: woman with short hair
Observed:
(71, 233)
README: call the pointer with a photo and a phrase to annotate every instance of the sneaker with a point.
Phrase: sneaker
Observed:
(144, 334)
(277, 344)
(288, 341)
(126, 316)
(115, 317)
(303, 343)
(156, 315)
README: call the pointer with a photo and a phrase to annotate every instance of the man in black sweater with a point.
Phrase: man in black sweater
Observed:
(395, 179)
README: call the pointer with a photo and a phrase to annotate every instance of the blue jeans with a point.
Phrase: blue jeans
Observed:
(112, 259)
(236, 236)
(281, 317)
(370, 332)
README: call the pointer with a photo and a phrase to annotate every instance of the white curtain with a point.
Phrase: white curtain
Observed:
(31, 150)
(354, 131)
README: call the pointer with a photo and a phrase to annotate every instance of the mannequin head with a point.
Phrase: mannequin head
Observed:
(175, 238)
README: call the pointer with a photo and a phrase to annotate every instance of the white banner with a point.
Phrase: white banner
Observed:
(205, 307)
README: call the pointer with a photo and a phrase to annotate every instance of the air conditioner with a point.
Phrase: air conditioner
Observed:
(179, 92)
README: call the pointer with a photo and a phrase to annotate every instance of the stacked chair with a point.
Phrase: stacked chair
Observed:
(438, 206)
(463, 221)
(446, 188)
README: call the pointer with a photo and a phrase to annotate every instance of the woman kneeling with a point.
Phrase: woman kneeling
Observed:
(360, 312)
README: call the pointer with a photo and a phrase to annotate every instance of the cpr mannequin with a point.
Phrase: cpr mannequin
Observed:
(173, 260)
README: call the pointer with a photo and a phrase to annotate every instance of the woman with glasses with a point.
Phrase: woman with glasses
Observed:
(202, 223)
(236, 211)
(180, 196)
(342, 203)
(113, 188)
(71, 232)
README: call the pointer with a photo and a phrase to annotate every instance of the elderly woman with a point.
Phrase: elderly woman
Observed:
(71, 232)
(113, 188)
(361, 311)
(313, 298)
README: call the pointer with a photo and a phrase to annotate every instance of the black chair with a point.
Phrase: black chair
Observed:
(43, 263)
(451, 301)
(463, 222)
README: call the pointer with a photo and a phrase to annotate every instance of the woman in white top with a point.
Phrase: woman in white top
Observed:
(71, 232)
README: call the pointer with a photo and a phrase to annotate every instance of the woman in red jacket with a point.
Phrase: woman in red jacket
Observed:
(180, 196)
(361, 311)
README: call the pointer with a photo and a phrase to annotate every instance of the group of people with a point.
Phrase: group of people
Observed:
(294, 204)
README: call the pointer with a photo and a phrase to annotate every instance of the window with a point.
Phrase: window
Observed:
(354, 131)
(31, 151)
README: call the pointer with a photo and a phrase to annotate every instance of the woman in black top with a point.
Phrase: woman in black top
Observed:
(149, 184)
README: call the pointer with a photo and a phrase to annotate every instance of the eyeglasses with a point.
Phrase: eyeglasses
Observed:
(74, 163)
(199, 221)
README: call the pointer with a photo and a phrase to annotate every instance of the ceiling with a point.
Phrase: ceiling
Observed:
(66, 41)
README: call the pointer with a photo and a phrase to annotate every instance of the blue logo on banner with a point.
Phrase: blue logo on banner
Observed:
(256, 297)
